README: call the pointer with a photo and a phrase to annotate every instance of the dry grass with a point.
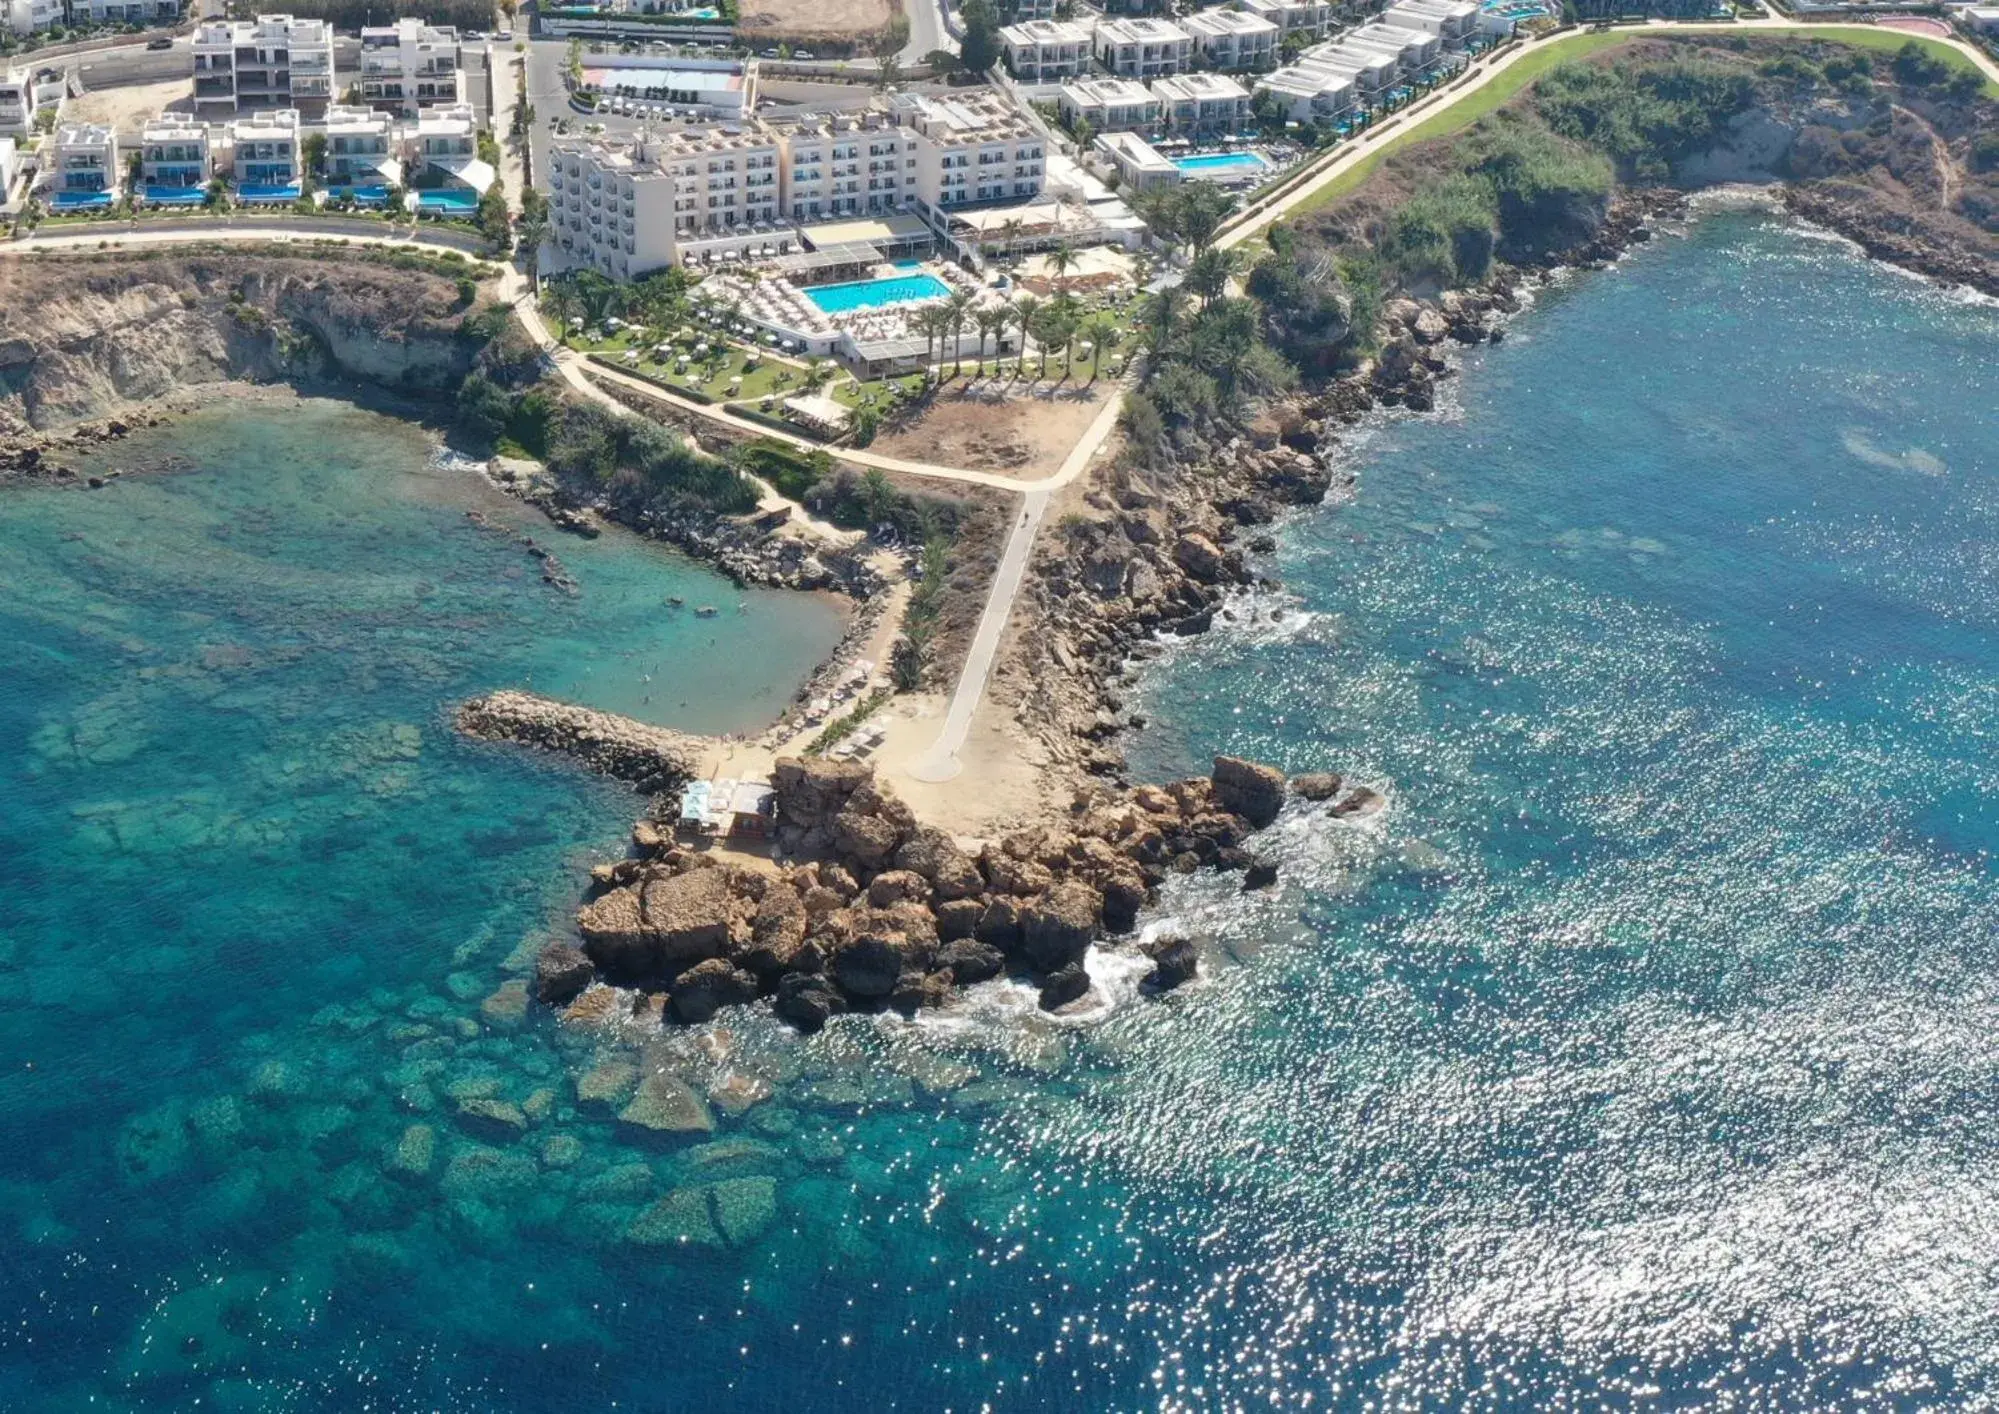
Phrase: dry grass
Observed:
(993, 428)
(804, 21)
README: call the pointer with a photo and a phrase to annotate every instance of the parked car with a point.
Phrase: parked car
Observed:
(162, 42)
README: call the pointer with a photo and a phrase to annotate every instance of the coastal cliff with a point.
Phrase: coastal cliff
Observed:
(100, 336)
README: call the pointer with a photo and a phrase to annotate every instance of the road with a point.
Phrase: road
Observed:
(941, 762)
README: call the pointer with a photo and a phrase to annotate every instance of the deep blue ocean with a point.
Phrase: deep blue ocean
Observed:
(1644, 1053)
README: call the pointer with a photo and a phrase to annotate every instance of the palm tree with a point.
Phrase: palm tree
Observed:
(1061, 261)
(1010, 230)
(1007, 316)
(959, 305)
(992, 322)
(936, 325)
(877, 495)
(1209, 273)
(1026, 313)
(1159, 322)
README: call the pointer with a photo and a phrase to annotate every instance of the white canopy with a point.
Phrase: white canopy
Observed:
(474, 173)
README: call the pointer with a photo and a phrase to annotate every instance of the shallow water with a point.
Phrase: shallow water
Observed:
(1638, 1055)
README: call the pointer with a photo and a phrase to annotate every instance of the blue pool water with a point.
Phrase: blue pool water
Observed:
(1639, 1055)
(456, 200)
(873, 294)
(1221, 162)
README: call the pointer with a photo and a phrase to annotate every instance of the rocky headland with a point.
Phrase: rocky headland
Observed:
(866, 908)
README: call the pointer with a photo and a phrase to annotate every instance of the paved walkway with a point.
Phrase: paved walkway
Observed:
(941, 762)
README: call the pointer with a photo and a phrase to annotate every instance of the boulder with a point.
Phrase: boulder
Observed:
(683, 1218)
(807, 1002)
(666, 1104)
(951, 872)
(893, 886)
(1173, 961)
(507, 1006)
(959, 918)
(411, 1156)
(970, 960)
(708, 986)
(687, 917)
(1011, 875)
(743, 1207)
(1201, 558)
(1064, 985)
(1429, 327)
(811, 790)
(1260, 874)
(1361, 802)
(495, 1121)
(868, 840)
(999, 924)
(608, 1085)
(869, 965)
(614, 933)
(561, 972)
(1056, 929)
(1315, 785)
(1249, 789)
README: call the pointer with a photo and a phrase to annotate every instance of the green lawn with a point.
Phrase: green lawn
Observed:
(711, 379)
(1455, 117)
(1459, 115)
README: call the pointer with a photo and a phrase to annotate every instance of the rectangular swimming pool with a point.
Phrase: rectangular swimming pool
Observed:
(452, 199)
(1222, 163)
(873, 294)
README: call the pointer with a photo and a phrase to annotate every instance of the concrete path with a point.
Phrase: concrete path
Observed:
(941, 762)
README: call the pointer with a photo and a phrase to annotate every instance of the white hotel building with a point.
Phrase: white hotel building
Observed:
(624, 208)
(1312, 17)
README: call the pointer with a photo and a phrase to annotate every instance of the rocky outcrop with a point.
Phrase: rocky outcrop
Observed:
(884, 912)
(653, 759)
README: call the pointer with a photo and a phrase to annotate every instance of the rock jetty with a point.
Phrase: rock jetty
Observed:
(888, 912)
(653, 759)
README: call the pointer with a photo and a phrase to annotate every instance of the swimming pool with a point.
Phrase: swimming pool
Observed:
(873, 294)
(453, 199)
(1223, 163)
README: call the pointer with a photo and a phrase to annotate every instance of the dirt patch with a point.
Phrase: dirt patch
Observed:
(994, 428)
(127, 107)
(814, 21)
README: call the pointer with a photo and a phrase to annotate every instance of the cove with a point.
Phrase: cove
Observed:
(1639, 1054)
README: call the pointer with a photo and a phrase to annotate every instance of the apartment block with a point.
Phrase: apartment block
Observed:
(266, 153)
(970, 149)
(25, 91)
(1415, 51)
(1309, 17)
(363, 148)
(1047, 51)
(1110, 105)
(1142, 48)
(1312, 92)
(409, 66)
(271, 62)
(83, 162)
(32, 16)
(1233, 40)
(174, 153)
(1202, 104)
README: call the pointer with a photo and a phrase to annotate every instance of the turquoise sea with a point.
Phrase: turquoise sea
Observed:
(1639, 1055)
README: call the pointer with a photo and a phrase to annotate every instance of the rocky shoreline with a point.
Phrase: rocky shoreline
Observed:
(1166, 554)
(867, 909)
